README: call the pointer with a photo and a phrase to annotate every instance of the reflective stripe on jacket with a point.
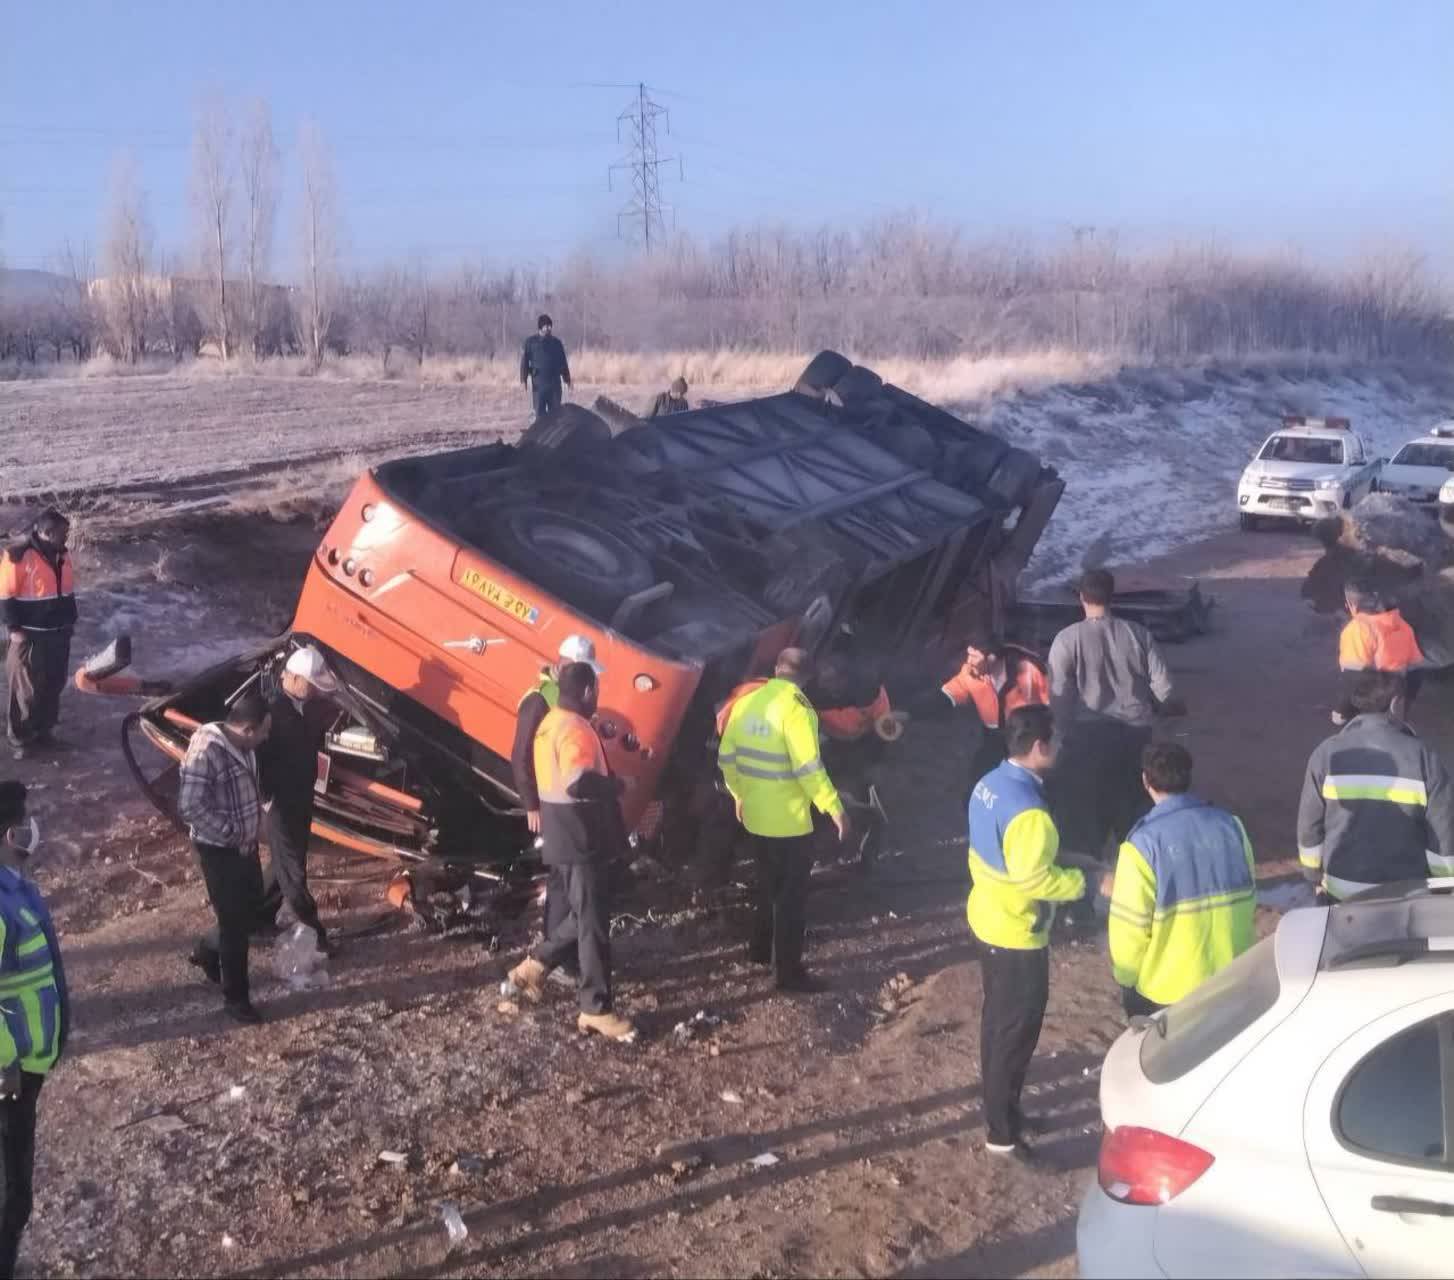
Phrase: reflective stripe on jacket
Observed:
(34, 1009)
(1376, 807)
(724, 712)
(1027, 687)
(1378, 642)
(771, 764)
(848, 724)
(1012, 848)
(37, 592)
(1184, 899)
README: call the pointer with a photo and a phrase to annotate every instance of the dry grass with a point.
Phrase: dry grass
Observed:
(959, 378)
(955, 380)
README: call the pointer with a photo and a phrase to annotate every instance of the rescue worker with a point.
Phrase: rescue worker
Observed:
(219, 799)
(856, 720)
(1185, 889)
(770, 762)
(533, 707)
(543, 367)
(36, 1014)
(1013, 845)
(287, 760)
(994, 679)
(1377, 805)
(583, 832)
(673, 401)
(38, 605)
(1376, 638)
(1107, 682)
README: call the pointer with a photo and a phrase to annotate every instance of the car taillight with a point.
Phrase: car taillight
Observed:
(1142, 1166)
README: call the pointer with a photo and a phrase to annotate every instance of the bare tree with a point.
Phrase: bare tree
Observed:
(259, 167)
(319, 240)
(212, 190)
(72, 320)
(126, 250)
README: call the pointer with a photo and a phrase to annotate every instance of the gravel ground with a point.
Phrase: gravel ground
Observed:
(173, 1142)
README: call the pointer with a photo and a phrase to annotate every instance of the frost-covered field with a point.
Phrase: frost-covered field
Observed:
(1151, 456)
(1152, 459)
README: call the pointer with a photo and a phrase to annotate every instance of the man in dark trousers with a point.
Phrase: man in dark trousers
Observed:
(583, 832)
(1016, 880)
(530, 713)
(772, 765)
(1108, 681)
(34, 1015)
(38, 607)
(288, 773)
(219, 800)
(544, 367)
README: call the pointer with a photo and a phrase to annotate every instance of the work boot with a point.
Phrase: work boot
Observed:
(528, 977)
(242, 1011)
(211, 965)
(611, 1025)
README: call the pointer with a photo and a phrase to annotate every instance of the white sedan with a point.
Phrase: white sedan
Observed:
(1294, 1116)
(1421, 468)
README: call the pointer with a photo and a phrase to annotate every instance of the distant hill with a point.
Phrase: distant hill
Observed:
(24, 284)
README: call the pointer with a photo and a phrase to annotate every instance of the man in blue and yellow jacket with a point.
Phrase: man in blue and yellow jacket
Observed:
(1012, 862)
(34, 1015)
(772, 766)
(1185, 889)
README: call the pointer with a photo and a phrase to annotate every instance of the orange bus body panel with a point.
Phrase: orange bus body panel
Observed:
(416, 600)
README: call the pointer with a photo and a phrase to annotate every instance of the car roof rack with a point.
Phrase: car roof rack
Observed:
(1400, 921)
(1299, 421)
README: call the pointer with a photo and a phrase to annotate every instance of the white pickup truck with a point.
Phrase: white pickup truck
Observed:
(1312, 467)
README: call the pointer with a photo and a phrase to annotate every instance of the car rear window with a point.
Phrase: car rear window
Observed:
(1216, 1013)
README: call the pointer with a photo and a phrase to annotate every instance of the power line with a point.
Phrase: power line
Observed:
(644, 211)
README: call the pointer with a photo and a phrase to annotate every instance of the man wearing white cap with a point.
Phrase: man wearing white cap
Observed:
(287, 773)
(533, 707)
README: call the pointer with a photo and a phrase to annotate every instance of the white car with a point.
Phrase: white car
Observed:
(1421, 468)
(1313, 467)
(1446, 503)
(1294, 1116)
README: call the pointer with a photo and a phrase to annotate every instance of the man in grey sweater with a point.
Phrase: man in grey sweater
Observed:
(1107, 683)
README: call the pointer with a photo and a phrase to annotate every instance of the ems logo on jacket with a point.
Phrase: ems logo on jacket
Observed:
(984, 795)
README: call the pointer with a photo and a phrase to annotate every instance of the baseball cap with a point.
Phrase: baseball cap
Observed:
(308, 663)
(580, 649)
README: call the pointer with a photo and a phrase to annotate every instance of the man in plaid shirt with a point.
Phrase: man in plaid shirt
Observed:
(218, 799)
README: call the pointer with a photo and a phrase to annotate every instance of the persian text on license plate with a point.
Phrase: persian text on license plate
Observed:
(501, 597)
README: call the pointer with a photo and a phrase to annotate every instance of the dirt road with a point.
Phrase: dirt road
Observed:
(173, 1142)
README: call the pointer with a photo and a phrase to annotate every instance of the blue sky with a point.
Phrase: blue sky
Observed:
(472, 130)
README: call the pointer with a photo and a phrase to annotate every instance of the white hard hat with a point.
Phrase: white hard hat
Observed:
(308, 663)
(580, 649)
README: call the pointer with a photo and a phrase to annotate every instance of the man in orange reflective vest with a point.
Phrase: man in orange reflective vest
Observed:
(1376, 639)
(994, 680)
(582, 832)
(38, 606)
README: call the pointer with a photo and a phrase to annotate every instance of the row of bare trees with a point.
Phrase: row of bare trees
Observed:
(899, 285)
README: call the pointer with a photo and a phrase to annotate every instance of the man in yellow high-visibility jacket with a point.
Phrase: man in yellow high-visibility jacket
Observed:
(771, 764)
(1013, 851)
(1185, 889)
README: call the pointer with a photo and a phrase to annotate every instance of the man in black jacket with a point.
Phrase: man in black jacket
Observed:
(544, 367)
(288, 773)
(38, 608)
